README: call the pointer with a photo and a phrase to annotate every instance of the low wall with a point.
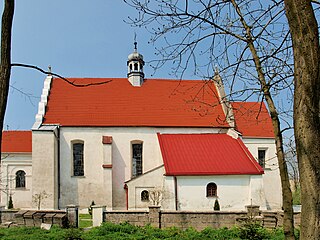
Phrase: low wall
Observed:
(7, 215)
(34, 218)
(200, 220)
(185, 219)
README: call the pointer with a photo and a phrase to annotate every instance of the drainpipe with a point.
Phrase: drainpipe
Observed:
(59, 191)
(58, 159)
(127, 197)
(176, 191)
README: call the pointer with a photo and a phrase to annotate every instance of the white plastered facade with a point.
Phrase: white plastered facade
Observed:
(107, 186)
(11, 163)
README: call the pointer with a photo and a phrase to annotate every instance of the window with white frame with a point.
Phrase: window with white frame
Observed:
(211, 190)
(20, 179)
(136, 159)
(145, 196)
(78, 158)
(262, 157)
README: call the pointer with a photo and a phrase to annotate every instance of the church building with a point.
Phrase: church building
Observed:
(127, 143)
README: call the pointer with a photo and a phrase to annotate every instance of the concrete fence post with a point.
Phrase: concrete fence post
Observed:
(1, 210)
(154, 216)
(97, 215)
(253, 210)
(73, 215)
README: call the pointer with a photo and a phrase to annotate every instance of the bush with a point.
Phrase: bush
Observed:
(253, 231)
(90, 207)
(216, 205)
(10, 203)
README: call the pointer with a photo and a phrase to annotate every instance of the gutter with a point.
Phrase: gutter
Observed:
(176, 192)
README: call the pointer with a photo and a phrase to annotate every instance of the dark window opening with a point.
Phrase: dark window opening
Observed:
(136, 159)
(20, 179)
(78, 163)
(262, 157)
(136, 66)
(211, 190)
(144, 196)
(130, 66)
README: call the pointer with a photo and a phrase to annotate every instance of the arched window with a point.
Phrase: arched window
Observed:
(78, 160)
(130, 66)
(136, 159)
(211, 190)
(20, 179)
(136, 66)
(145, 196)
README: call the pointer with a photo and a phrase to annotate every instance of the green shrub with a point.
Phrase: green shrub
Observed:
(253, 231)
(216, 205)
(90, 207)
(296, 196)
(10, 203)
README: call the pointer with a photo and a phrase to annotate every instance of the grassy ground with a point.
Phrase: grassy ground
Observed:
(85, 220)
(127, 231)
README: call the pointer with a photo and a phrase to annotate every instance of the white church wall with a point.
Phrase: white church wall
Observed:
(271, 176)
(152, 180)
(82, 190)
(45, 167)
(10, 164)
(232, 192)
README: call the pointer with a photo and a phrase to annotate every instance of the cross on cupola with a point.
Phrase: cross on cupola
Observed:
(135, 65)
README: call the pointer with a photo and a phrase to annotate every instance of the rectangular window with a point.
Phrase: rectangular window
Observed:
(262, 157)
(78, 166)
(136, 159)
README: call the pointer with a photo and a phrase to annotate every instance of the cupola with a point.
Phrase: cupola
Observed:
(135, 65)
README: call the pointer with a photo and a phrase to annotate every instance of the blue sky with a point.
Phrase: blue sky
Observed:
(80, 38)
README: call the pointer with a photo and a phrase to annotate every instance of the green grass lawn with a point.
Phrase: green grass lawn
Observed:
(85, 220)
(127, 231)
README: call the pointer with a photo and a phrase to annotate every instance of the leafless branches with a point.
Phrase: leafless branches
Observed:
(57, 75)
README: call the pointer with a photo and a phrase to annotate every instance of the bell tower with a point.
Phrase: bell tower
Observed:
(135, 65)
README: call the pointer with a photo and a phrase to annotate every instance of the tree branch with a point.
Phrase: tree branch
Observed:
(57, 75)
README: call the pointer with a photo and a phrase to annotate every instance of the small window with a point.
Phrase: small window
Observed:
(262, 157)
(136, 66)
(145, 196)
(130, 66)
(20, 179)
(211, 190)
(136, 159)
(78, 161)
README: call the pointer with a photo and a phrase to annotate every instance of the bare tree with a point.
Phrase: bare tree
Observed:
(38, 198)
(248, 40)
(156, 196)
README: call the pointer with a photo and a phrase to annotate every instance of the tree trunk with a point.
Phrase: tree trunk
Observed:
(288, 225)
(305, 40)
(5, 58)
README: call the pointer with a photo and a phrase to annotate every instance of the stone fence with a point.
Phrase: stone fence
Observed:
(185, 219)
(38, 218)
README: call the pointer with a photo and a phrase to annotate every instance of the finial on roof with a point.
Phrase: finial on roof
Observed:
(49, 70)
(216, 71)
(135, 42)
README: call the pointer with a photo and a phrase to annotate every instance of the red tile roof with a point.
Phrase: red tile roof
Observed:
(252, 119)
(158, 102)
(206, 154)
(16, 142)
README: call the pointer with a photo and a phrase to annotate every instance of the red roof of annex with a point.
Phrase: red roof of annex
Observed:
(157, 103)
(16, 142)
(206, 154)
